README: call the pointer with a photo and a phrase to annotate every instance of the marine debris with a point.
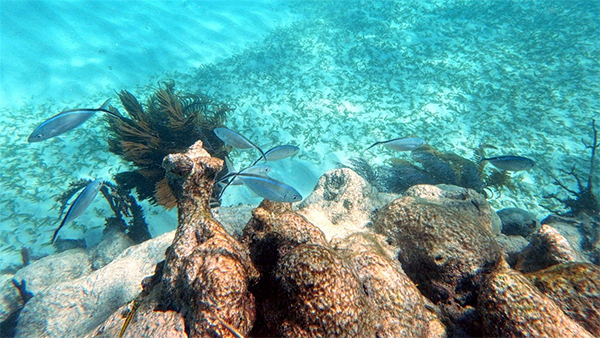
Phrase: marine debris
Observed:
(168, 123)
(583, 200)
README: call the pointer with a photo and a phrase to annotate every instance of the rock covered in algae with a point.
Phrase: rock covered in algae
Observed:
(444, 238)
(575, 288)
(308, 288)
(345, 199)
(546, 247)
(511, 306)
(322, 295)
(206, 272)
(399, 306)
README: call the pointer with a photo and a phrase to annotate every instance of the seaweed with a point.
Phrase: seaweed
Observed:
(168, 123)
(431, 167)
(583, 200)
(121, 202)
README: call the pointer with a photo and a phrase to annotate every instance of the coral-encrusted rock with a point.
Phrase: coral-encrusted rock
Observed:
(10, 300)
(345, 199)
(321, 296)
(582, 233)
(207, 272)
(397, 301)
(274, 230)
(511, 306)
(444, 243)
(575, 288)
(517, 221)
(547, 247)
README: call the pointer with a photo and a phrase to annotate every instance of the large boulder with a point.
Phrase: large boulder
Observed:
(75, 307)
(547, 247)
(575, 288)
(341, 203)
(510, 306)
(446, 245)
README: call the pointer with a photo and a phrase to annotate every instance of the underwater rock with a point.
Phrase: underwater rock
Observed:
(511, 247)
(510, 306)
(346, 200)
(582, 232)
(321, 295)
(74, 308)
(233, 218)
(399, 306)
(546, 247)
(10, 300)
(207, 272)
(575, 288)
(112, 244)
(446, 244)
(517, 221)
(274, 230)
(57, 268)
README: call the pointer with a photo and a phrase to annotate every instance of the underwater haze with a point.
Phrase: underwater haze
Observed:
(521, 77)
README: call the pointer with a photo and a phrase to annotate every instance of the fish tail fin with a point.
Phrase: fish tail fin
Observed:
(372, 145)
(105, 104)
(56, 231)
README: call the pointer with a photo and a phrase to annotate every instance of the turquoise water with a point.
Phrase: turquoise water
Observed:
(521, 75)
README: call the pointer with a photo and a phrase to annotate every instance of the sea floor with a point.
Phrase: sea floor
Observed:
(521, 76)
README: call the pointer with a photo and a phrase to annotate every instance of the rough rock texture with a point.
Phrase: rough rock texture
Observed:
(511, 306)
(582, 232)
(61, 267)
(546, 247)
(324, 294)
(10, 300)
(74, 308)
(517, 221)
(511, 247)
(346, 200)
(233, 218)
(358, 287)
(575, 288)
(306, 288)
(207, 272)
(274, 230)
(446, 244)
(112, 244)
(397, 302)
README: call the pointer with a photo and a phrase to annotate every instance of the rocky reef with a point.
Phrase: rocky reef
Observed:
(349, 261)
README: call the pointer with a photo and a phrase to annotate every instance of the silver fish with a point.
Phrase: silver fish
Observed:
(278, 153)
(259, 169)
(270, 189)
(83, 200)
(401, 144)
(510, 162)
(65, 121)
(236, 140)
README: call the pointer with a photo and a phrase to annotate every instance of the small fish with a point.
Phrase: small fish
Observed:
(269, 188)
(236, 140)
(259, 169)
(65, 121)
(278, 153)
(401, 144)
(83, 200)
(510, 162)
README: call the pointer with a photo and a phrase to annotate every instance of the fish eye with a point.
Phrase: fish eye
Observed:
(39, 136)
